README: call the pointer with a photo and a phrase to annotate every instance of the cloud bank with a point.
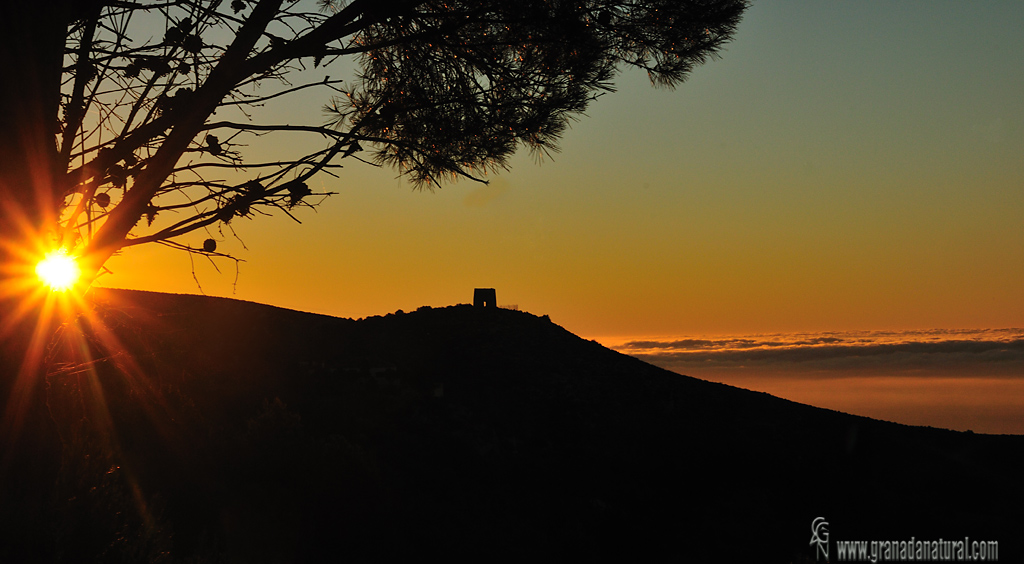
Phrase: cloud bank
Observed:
(985, 352)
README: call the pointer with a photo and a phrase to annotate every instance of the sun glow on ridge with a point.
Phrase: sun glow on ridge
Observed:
(58, 270)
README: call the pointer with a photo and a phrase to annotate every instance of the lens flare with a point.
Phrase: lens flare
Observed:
(58, 270)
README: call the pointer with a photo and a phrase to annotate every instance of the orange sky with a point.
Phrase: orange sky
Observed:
(850, 165)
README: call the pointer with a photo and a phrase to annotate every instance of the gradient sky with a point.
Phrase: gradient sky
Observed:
(844, 165)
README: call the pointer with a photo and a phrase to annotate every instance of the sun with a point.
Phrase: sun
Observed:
(58, 270)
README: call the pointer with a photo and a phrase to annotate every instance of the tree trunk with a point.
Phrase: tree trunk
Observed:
(32, 37)
(31, 57)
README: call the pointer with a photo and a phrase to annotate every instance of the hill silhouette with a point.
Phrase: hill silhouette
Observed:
(224, 431)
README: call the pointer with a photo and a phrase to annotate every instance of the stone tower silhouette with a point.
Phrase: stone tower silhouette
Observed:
(484, 297)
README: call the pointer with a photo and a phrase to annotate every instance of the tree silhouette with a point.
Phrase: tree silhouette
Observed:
(124, 122)
(118, 117)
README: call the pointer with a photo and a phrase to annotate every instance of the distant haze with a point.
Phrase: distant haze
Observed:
(963, 379)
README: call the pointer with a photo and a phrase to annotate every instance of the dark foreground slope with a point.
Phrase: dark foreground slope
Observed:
(235, 432)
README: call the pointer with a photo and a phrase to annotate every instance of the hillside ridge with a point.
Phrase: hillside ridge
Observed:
(266, 434)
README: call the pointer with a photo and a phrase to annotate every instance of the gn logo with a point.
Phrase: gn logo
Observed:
(819, 536)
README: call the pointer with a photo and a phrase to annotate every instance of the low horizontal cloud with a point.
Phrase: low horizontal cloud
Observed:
(963, 352)
(704, 344)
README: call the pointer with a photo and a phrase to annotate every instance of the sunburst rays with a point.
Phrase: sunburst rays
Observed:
(63, 345)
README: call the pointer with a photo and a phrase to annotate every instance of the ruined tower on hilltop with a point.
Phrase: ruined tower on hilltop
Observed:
(485, 297)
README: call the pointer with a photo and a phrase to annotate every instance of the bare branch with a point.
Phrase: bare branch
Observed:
(444, 90)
